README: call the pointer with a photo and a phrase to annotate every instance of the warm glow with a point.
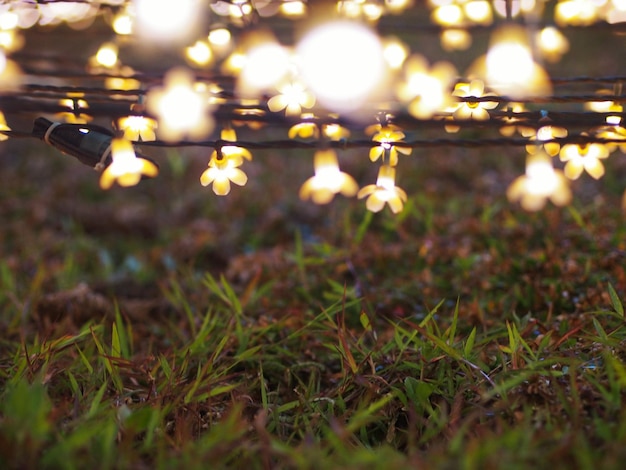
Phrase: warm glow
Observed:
(478, 11)
(107, 55)
(180, 109)
(384, 192)
(200, 53)
(125, 169)
(477, 110)
(426, 90)
(293, 8)
(509, 65)
(265, 66)
(219, 37)
(3, 127)
(584, 157)
(292, 98)
(540, 183)
(165, 20)
(552, 43)
(342, 63)
(138, 128)
(328, 179)
(387, 136)
(455, 39)
(123, 23)
(448, 15)
(395, 52)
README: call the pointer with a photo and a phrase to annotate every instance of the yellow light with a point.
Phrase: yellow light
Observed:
(540, 183)
(342, 63)
(219, 37)
(3, 127)
(107, 55)
(293, 8)
(265, 66)
(180, 109)
(509, 67)
(123, 23)
(8, 20)
(395, 52)
(454, 39)
(478, 11)
(125, 167)
(448, 15)
(10, 40)
(384, 192)
(200, 53)
(552, 43)
(328, 180)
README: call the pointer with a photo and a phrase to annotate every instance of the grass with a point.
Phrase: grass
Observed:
(461, 334)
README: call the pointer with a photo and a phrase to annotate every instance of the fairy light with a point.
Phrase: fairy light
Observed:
(199, 53)
(293, 9)
(540, 184)
(342, 63)
(455, 39)
(266, 63)
(384, 192)
(164, 20)
(180, 109)
(328, 180)
(395, 52)
(126, 168)
(584, 157)
(107, 55)
(123, 23)
(552, 43)
(509, 65)
(292, 98)
(3, 127)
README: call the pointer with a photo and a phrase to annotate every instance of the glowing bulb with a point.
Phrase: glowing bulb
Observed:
(454, 39)
(448, 15)
(478, 11)
(552, 43)
(293, 9)
(219, 37)
(342, 63)
(509, 67)
(266, 64)
(164, 19)
(107, 55)
(200, 53)
(395, 53)
(180, 109)
(123, 23)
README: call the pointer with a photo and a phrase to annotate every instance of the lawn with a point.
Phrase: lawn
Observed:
(164, 327)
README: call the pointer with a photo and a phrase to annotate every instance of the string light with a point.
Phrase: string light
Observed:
(328, 179)
(340, 73)
(126, 168)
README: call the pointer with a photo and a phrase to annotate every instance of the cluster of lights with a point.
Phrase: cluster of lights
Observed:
(339, 69)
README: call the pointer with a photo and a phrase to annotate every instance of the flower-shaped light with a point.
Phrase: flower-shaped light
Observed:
(76, 106)
(231, 152)
(512, 122)
(473, 109)
(305, 129)
(292, 98)
(552, 43)
(509, 67)
(585, 157)
(543, 134)
(334, 131)
(426, 90)
(613, 133)
(180, 109)
(540, 183)
(137, 127)
(384, 192)
(126, 168)
(388, 135)
(221, 172)
(3, 127)
(328, 179)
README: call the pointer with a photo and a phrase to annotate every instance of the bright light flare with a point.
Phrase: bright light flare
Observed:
(165, 20)
(125, 169)
(328, 180)
(509, 67)
(342, 62)
(180, 109)
(265, 66)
